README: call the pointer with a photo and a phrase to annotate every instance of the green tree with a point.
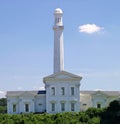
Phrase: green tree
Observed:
(3, 102)
(94, 112)
(3, 105)
(112, 114)
(94, 120)
(114, 105)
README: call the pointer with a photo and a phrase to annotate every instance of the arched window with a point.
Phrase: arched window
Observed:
(53, 91)
(14, 107)
(72, 91)
(26, 107)
(72, 106)
(98, 105)
(53, 107)
(62, 106)
(62, 90)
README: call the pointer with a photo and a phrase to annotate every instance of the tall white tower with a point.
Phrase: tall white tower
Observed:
(58, 41)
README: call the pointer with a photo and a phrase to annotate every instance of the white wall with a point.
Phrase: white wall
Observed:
(36, 103)
(58, 98)
(91, 100)
(85, 101)
(10, 102)
(40, 103)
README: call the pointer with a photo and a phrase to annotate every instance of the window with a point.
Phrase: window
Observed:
(62, 90)
(14, 107)
(98, 105)
(56, 20)
(52, 107)
(72, 91)
(72, 106)
(26, 107)
(62, 106)
(59, 19)
(84, 104)
(53, 91)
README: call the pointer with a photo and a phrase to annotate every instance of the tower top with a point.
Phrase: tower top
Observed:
(58, 11)
(58, 18)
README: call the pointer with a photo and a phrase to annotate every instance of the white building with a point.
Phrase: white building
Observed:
(62, 89)
(97, 99)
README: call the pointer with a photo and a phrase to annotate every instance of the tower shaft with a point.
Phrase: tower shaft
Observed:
(58, 42)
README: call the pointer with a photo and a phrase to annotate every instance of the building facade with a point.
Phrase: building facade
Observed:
(66, 100)
(62, 92)
(26, 102)
(97, 99)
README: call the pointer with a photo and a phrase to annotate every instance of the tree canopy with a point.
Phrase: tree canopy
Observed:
(3, 105)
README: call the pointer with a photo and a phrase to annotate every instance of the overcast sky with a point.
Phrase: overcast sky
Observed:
(91, 42)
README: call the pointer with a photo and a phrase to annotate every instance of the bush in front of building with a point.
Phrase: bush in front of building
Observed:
(59, 118)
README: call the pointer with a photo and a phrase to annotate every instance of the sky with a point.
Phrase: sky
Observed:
(91, 43)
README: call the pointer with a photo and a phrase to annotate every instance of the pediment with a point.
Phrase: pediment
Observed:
(99, 94)
(27, 94)
(19, 93)
(62, 75)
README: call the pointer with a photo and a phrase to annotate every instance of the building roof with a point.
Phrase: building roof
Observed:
(18, 93)
(62, 76)
(41, 92)
(38, 92)
(109, 93)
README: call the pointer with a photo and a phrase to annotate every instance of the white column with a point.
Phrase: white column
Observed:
(58, 41)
